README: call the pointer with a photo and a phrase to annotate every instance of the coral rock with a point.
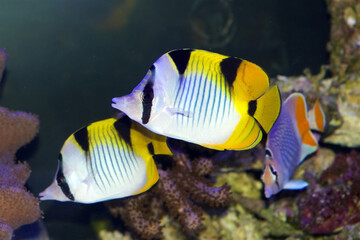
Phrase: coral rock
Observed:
(17, 205)
(18, 128)
(323, 209)
(180, 185)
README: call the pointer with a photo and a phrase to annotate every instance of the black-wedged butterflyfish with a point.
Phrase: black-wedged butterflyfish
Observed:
(206, 98)
(289, 142)
(105, 160)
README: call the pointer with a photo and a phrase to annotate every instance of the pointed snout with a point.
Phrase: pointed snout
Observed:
(53, 192)
(130, 105)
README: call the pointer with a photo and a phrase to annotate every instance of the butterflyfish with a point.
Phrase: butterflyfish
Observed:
(289, 142)
(317, 120)
(108, 159)
(205, 98)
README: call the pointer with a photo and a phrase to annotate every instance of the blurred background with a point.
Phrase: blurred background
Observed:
(68, 59)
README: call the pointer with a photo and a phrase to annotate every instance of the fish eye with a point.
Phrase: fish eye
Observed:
(268, 153)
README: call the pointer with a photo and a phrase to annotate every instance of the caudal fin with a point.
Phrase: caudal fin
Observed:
(317, 118)
(266, 108)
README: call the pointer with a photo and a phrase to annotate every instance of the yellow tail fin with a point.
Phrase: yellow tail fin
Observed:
(266, 108)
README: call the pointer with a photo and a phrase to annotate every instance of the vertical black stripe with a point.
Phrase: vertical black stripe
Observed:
(82, 138)
(61, 181)
(122, 126)
(252, 107)
(150, 147)
(229, 67)
(147, 98)
(181, 59)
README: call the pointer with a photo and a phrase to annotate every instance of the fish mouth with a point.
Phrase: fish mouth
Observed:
(114, 102)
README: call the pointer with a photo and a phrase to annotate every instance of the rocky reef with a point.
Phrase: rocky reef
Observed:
(332, 202)
(176, 200)
(17, 205)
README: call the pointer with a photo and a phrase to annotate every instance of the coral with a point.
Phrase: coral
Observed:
(344, 36)
(181, 182)
(334, 201)
(17, 205)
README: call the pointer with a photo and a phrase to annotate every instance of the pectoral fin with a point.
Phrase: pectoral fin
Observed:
(296, 185)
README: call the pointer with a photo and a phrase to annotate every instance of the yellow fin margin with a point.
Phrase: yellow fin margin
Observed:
(268, 108)
(140, 138)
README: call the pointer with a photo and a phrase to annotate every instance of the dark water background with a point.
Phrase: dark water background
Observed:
(68, 59)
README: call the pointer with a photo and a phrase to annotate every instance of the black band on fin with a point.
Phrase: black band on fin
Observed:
(122, 126)
(61, 181)
(82, 138)
(252, 107)
(229, 67)
(150, 147)
(181, 59)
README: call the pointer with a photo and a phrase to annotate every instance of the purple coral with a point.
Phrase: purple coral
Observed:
(179, 185)
(17, 205)
(334, 202)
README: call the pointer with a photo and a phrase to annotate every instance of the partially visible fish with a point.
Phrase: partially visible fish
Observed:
(289, 142)
(3, 57)
(105, 160)
(317, 120)
(206, 98)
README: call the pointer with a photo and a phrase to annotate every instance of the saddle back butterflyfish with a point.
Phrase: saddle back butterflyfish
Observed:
(106, 160)
(289, 142)
(206, 98)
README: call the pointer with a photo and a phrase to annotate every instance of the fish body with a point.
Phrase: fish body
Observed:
(3, 57)
(105, 160)
(206, 98)
(317, 120)
(289, 142)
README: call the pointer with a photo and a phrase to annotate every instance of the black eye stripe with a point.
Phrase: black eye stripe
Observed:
(274, 172)
(268, 153)
(147, 98)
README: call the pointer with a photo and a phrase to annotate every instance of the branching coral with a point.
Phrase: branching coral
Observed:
(335, 201)
(17, 205)
(181, 182)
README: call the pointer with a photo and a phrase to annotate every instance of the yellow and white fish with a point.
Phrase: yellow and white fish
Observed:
(289, 142)
(213, 100)
(105, 160)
